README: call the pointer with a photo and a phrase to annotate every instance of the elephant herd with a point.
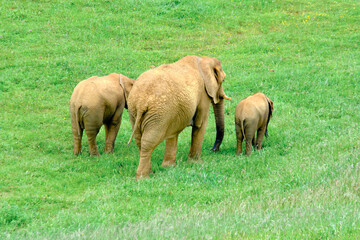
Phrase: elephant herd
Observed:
(161, 103)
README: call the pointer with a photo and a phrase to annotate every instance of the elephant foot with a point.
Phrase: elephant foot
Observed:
(195, 160)
(108, 151)
(141, 177)
(168, 163)
(144, 174)
(94, 154)
(76, 153)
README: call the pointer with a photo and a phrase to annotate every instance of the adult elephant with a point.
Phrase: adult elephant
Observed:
(166, 99)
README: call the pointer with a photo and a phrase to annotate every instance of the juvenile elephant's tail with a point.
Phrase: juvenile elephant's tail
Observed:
(76, 123)
(79, 122)
(137, 121)
(242, 121)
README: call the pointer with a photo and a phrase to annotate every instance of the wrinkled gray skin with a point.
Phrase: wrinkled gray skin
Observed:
(95, 102)
(166, 99)
(252, 115)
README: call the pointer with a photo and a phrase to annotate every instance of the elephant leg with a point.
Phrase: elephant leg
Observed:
(77, 132)
(111, 131)
(77, 140)
(137, 137)
(137, 134)
(91, 134)
(149, 141)
(196, 141)
(260, 137)
(144, 167)
(249, 139)
(170, 152)
(248, 147)
(239, 139)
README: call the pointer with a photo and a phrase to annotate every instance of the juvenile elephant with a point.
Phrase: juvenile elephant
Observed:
(252, 115)
(95, 102)
(166, 99)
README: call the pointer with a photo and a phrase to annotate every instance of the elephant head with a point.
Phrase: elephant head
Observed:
(213, 76)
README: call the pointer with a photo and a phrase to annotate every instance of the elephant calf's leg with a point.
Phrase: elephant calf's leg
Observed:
(250, 140)
(111, 131)
(91, 134)
(239, 140)
(248, 146)
(77, 141)
(170, 152)
(259, 138)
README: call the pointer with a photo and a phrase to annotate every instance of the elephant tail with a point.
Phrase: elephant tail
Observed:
(77, 124)
(242, 122)
(268, 119)
(75, 120)
(137, 121)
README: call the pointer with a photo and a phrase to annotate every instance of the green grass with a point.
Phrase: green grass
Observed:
(304, 184)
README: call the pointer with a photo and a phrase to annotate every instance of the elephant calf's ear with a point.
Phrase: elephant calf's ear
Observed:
(208, 69)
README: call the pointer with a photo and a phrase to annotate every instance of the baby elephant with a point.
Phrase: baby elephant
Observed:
(97, 101)
(252, 114)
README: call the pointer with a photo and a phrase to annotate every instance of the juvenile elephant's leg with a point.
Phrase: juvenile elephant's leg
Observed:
(239, 139)
(77, 132)
(248, 146)
(77, 140)
(170, 152)
(196, 141)
(111, 131)
(249, 139)
(260, 137)
(91, 134)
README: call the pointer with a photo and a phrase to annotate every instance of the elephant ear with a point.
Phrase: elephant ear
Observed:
(211, 71)
(126, 84)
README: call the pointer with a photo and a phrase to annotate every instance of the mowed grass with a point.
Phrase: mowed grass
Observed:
(305, 183)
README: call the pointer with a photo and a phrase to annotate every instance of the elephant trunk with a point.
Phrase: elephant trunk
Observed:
(220, 123)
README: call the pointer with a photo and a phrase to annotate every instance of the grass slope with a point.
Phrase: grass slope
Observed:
(305, 182)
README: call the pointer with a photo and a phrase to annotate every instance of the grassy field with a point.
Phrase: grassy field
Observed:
(304, 184)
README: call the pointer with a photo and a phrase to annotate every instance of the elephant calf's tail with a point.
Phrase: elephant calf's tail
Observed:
(76, 122)
(242, 121)
(137, 120)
